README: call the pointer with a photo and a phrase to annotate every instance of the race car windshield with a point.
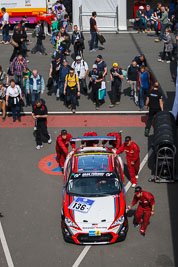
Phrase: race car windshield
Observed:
(93, 187)
(95, 163)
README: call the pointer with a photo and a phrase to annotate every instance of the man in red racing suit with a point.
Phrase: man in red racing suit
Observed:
(90, 143)
(62, 145)
(114, 143)
(133, 159)
(145, 208)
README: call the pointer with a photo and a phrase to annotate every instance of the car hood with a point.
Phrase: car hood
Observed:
(103, 210)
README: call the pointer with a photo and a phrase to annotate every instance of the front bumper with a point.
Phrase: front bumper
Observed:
(84, 238)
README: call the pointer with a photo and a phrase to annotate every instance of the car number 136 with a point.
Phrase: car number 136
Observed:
(81, 205)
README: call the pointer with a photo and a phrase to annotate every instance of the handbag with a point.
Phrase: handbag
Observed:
(13, 43)
(102, 91)
(101, 39)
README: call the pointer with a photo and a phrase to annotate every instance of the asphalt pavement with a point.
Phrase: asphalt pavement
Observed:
(31, 201)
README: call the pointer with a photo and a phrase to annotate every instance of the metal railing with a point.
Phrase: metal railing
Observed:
(113, 15)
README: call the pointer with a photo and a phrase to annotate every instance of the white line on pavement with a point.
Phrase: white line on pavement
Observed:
(5, 248)
(87, 112)
(81, 256)
(127, 187)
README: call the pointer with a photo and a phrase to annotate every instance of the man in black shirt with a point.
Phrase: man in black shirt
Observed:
(94, 33)
(54, 73)
(101, 65)
(116, 82)
(96, 78)
(40, 114)
(141, 60)
(155, 103)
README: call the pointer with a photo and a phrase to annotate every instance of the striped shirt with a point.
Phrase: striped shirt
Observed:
(17, 67)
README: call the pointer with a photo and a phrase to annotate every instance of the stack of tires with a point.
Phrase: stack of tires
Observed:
(165, 145)
(164, 129)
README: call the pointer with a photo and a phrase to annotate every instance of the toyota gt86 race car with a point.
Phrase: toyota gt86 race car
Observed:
(94, 204)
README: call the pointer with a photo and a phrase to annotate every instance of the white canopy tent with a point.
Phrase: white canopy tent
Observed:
(111, 14)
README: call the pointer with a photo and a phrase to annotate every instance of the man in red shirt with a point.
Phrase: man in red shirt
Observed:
(62, 145)
(133, 159)
(90, 143)
(114, 143)
(145, 208)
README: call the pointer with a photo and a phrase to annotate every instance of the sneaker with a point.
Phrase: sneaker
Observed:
(132, 98)
(6, 43)
(19, 119)
(136, 103)
(146, 132)
(136, 176)
(92, 50)
(73, 111)
(150, 30)
(69, 106)
(137, 224)
(160, 60)
(111, 106)
(168, 61)
(2, 42)
(49, 140)
(57, 98)
(146, 31)
(134, 185)
(38, 147)
(157, 40)
(3, 118)
(97, 108)
(117, 103)
(27, 61)
(14, 120)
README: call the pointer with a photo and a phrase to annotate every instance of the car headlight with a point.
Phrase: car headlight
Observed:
(70, 223)
(119, 221)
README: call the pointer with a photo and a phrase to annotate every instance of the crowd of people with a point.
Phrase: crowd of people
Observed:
(69, 82)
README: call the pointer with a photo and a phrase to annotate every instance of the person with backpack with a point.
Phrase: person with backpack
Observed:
(71, 89)
(35, 86)
(13, 97)
(39, 33)
(40, 114)
(64, 70)
(116, 83)
(96, 77)
(81, 70)
(77, 41)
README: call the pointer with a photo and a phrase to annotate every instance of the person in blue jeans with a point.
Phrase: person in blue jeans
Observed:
(94, 33)
(164, 24)
(148, 17)
(144, 83)
(5, 27)
(64, 70)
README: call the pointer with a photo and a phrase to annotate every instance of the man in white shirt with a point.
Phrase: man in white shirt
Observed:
(5, 27)
(81, 70)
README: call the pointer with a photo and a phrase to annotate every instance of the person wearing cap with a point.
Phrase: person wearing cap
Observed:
(94, 33)
(64, 70)
(40, 114)
(62, 146)
(145, 208)
(101, 65)
(96, 77)
(71, 89)
(81, 70)
(148, 17)
(132, 72)
(116, 83)
(132, 151)
(139, 21)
